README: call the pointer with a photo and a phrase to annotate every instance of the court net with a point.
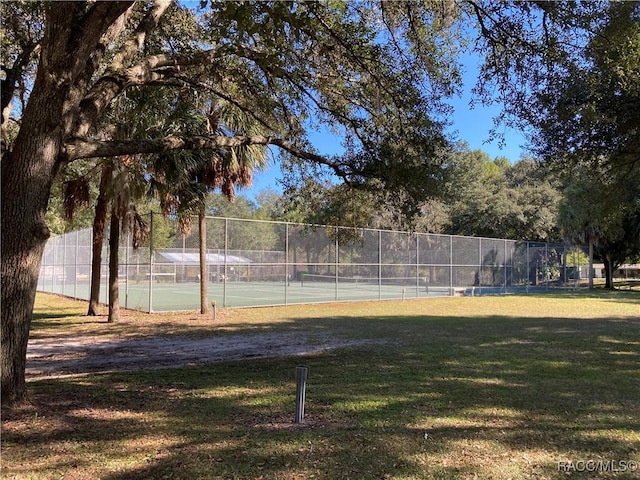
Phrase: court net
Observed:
(358, 281)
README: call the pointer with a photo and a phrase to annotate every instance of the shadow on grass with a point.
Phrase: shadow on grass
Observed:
(44, 321)
(39, 315)
(444, 398)
(618, 294)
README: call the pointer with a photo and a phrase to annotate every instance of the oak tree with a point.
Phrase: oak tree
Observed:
(361, 65)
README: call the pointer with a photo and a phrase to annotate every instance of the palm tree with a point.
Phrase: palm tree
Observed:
(97, 239)
(181, 180)
(223, 168)
(76, 195)
(119, 185)
(127, 187)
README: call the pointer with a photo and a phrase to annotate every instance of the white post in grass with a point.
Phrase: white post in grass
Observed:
(301, 387)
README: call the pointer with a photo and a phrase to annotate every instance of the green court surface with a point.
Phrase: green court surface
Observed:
(179, 296)
(186, 296)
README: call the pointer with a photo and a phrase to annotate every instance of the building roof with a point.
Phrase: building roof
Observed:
(190, 258)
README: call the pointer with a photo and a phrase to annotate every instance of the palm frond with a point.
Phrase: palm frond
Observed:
(76, 194)
(137, 225)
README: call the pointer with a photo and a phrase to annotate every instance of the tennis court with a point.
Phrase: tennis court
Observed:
(169, 296)
(256, 293)
(252, 263)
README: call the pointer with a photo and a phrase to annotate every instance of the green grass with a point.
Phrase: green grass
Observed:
(495, 388)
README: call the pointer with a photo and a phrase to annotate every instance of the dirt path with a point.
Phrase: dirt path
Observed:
(56, 357)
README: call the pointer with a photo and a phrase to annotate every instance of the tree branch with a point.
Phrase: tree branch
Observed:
(208, 88)
(12, 76)
(135, 42)
(111, 85)
(80, 148)
(95, 32)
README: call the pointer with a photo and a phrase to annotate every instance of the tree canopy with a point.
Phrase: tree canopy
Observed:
(567, 73)
(494, 198)
(378, 72)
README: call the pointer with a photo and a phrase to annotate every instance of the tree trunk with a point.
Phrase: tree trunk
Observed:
(27, 174)
(69, 54)
(24, 235)
(114, 242)
(608, 272)
(204, 277)
(99, 221)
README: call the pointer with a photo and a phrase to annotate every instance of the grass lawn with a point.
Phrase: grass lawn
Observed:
(514, 387)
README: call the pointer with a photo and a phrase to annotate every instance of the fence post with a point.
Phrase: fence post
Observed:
(504, 264)
(287, 275)
(528, 270)
(53, 268)
(151, 263)
(75, 265)
(417, 265)
(546, 261)
(301, 387)
(225, 274)
(451, 265)
(126, 270)
(337, 246)
(480, 267)
(64, 264)
(379, 264)
(564, 265)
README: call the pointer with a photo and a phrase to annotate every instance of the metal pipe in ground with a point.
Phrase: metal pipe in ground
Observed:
(301, 387)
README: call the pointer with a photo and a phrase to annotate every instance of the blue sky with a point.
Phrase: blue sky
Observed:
(471, 125)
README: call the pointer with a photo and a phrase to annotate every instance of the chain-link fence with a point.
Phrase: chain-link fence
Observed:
(251, 263)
